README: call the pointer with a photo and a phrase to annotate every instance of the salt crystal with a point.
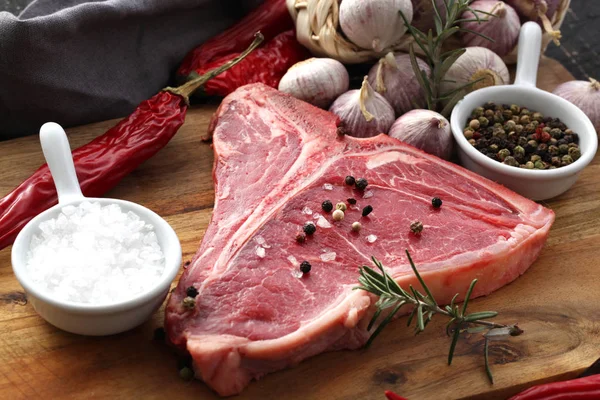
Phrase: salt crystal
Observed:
(323, 223)
(371, 238)
(328, 256)
(368, 194)
(307, 211)
(328, 186)
(296, 273)
(293, 260)
(95, 254)
(262, 242)
(260, 251)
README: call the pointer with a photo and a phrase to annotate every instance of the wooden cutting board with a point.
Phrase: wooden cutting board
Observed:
(556, 302)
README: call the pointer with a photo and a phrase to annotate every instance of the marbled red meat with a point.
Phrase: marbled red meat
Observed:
(276, 160)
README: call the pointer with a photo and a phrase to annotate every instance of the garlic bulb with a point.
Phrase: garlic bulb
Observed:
(425, 130)
(364, 112)
(394, 78)
(503, 27)
(539, 10)
(476, 63)
(374, 24)
(585, 95)
(317, 81)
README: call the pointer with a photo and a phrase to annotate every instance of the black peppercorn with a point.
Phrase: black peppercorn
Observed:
(367, 210)
(305, 267)
(436, 202)
(361, 184)
(351, 201)
(327, 206)
(301, 238)
(191, 292)
(309, 228)
(350, 180)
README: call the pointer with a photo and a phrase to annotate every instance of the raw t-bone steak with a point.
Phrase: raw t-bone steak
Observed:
(276, 160)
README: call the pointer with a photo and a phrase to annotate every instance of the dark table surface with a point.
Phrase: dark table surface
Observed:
(579, 51)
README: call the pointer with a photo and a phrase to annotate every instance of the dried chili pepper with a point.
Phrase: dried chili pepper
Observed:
(393, 396)
(103, 162)
(270, 18)
(266, 65)
(581, 389)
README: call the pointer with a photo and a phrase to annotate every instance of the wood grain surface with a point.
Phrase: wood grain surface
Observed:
(555, 302)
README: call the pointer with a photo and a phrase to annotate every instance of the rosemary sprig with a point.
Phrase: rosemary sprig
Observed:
(424, 307)
(440, 62)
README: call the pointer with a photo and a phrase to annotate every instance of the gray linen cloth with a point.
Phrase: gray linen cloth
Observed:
(80, 61)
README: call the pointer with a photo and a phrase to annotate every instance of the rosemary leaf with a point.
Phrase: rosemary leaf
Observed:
(453, 344)
(480, 315)
(449, 325)
(450, 105)
(411, 316)
(374, 319)
(476, 329)
(420, 319)
(468, 297)
(421, 281)
(453, 300)
(447, 63)
(383, 324)
(467, 30)
(488, 371)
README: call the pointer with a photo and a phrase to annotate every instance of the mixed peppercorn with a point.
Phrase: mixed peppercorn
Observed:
(520, 137)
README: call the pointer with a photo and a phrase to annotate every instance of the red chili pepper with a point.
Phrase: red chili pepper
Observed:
(393, 396)
(103, 162)
(576, 389)
(266, 65)
(270, 18)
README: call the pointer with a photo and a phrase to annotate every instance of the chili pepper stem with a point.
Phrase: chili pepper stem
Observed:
(189, 87)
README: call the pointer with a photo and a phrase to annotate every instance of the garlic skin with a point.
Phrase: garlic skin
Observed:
(317, 81)
(474, 64)
(394, 78)
(503, 28)
(425, 130)
(540, 11)
(585, 95)
(374, 24)
(364, 113)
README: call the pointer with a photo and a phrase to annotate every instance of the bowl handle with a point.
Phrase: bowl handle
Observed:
(530, 44)
(57, 152)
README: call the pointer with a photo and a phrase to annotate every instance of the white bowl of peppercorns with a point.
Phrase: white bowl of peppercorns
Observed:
(529, 140)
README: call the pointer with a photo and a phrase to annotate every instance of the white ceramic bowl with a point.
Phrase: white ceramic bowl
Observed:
(89, 319)
(535, 184)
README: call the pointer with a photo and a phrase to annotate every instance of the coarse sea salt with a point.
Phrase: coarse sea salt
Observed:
(323, 223)
(307, 211)
(327, 186)
(95, 254)
(371, 238)
(368, 194)
(328, 256)
(261, 252)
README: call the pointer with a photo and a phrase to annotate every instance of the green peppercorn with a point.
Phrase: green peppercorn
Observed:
(538, 164)
(468, 134)
(572, 145)
(532, 143)
(516, 118)
(553, 150)
(472, 142)
(525, 111)
(511, 161)
(553, 142)
(563, 148)
(556, 161)
(510, 125)
(189, 303)
(535, 158)
(568, 131)
(529, 165)
(186, 373)
(556, 133)
(515, 109)
(489, 114)
(566, 160)
(546, 129)
(502, 154)
(483, 121)
(537, 116)
(552, 167)
(535, 124)
(519, 151)
(507, 114)
(493, 148)
(474, 124)
(575, 153)
(529, 128)
(478, 112)
(518, 128)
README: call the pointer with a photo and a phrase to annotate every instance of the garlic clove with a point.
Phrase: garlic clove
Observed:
(425, 130)
(364, 112)
(503, 27)
(318, 81)
(479, 66)
(585, 95)
(374, 24)
(394, 78)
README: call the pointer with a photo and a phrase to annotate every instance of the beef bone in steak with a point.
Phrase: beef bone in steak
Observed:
(276, 160)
